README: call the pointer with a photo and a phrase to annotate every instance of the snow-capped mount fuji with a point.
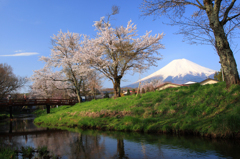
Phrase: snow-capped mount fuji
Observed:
(179, 71)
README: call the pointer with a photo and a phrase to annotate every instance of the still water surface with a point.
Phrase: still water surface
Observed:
(92, 144)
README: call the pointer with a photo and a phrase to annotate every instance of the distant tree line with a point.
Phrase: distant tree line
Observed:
(9, 82)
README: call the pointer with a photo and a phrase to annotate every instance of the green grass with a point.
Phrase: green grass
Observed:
(41, 112)
(4, 115)
(7, 153)
(206, 110)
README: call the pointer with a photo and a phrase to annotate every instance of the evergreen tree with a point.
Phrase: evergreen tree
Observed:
(218, 75)
(106, 95)
(133, 91)
(128, 92)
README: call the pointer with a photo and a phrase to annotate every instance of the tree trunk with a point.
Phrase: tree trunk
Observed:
(79, 96)
(224, 51)
(227, 59)
(120, 148)
(94, 93)
(116, 86)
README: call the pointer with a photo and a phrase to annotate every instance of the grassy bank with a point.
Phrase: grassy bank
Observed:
(6, 114)
(209, 110)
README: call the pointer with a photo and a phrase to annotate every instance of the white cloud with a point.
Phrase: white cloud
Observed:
(18, 51)
(23, 54)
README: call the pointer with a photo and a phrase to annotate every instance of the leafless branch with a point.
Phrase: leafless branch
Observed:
(225, 18)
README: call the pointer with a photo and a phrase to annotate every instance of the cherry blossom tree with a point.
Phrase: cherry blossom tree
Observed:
(116, 51)
(72, 72)
(94, 82)
(151, 84)
(44, 87)
(41, 87)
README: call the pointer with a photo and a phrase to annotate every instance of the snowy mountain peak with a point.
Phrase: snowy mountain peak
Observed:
(180, 68)
(180, 71)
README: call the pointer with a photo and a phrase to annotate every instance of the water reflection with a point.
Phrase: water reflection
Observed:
(88, 144)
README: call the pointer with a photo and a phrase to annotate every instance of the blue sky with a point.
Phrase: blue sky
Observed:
(26, 26)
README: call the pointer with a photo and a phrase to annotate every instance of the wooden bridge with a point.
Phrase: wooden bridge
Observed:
(33, 102)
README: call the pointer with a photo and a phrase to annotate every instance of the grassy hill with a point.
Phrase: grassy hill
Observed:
(209, 110)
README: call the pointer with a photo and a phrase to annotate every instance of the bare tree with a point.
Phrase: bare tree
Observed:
(214, 22)
(9, 82)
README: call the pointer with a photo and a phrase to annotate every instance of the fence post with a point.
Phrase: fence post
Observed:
(48, 106)
(10, 129)
(10, 107)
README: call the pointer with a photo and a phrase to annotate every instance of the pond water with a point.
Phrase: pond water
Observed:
(93, 144)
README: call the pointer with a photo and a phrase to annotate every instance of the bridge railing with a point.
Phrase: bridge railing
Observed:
(26, 102)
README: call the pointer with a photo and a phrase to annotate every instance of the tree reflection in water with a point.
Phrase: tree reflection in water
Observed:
(77, 145)
(88, 147)
(120, 150)
(73, 145)
(88, 144)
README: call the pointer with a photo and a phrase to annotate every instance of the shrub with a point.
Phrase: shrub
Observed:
(143, 90)
(128, 92)
(133, 91)
(27, 152)
(42, 151)
(106, 95)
